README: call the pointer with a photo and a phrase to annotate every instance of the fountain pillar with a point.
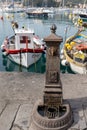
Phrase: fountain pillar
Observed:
(52, 113)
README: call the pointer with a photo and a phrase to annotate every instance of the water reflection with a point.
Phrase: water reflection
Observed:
(38, 67)
(42, 29)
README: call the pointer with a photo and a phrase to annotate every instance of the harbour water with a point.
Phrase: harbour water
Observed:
(42, 29)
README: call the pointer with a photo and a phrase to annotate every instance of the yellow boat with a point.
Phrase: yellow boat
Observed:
(74, 53)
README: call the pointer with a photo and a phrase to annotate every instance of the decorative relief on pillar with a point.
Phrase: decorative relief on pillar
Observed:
(53, 51)
(53, 77)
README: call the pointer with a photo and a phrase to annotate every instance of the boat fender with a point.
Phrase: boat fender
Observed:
(62, 51)
(62, 56)
(64, 62)
(2, 47)
(67, 63)
(3, 50)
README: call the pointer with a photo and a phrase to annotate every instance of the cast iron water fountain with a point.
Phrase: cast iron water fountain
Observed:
(53, 112)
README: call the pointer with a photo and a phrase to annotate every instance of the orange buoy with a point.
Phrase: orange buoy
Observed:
(81, 47)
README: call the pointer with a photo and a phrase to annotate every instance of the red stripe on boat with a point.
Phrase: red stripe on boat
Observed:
(24, 51)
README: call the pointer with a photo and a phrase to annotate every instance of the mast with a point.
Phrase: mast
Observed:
(84, 5)
(62, 3)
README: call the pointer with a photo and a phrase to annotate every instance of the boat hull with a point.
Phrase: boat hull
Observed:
(76, 67)
(25, 59)
(83, 15)
(37, 15)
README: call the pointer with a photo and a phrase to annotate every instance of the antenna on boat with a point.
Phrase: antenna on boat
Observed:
(66, 30)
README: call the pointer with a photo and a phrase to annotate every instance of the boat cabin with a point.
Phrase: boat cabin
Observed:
(23, 38)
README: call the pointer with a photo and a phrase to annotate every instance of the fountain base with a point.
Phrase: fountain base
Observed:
(41, 122)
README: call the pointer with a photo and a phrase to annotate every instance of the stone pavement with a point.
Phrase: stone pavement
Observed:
(19, 92)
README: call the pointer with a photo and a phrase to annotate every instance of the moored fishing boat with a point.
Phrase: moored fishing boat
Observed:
(74, 53)
(83, 15)
(37, 13)
(24, 47)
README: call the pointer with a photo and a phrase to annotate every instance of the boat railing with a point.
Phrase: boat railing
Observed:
(24, 30)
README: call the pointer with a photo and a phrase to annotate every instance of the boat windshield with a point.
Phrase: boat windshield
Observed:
(24, 39)
(78, 59)
(79, 56)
